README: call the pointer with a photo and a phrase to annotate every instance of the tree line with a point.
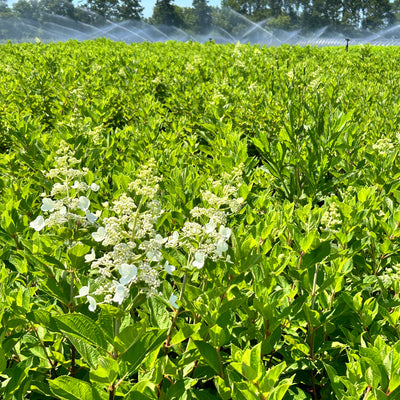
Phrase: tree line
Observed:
(275, 14)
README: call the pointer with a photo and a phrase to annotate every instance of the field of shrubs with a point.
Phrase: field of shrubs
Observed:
(199, 221)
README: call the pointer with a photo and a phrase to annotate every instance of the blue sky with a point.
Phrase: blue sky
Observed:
(149, 4)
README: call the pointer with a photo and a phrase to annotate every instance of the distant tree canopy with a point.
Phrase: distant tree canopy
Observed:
(166, 13)
(283, 14)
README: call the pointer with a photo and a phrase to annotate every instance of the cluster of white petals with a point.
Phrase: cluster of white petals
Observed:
(132, 252)
(127, 248)
(206, 235)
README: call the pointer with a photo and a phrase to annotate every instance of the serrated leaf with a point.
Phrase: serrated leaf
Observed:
(83, 328)
(69, 388)
(144, 346)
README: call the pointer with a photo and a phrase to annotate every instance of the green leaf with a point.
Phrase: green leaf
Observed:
(59, 290)
(76, 254)
(17, 375)
(209, 354)
(43, 318)
(280, 391)
(3, 360)
(143, 346)
(81, 327)
(219, 336)
(335, 381)
(316, 255)
(158, 313)
(89, 353)
(69, 388)
(106, 372)
(223, 389)
(307, 241)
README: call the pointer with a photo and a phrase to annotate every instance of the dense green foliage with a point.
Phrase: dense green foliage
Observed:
(306, 305)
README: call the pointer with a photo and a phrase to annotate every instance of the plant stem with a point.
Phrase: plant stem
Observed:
(116, 333)
(111, 395)
(311, 330)
(43, 347)
(73, 357)
(314, 287)
(221, 371)
(315, 396)
(71, 309)
(168, 341)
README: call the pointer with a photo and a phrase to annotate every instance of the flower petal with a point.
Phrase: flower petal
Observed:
(94, 187)
(83, 203)
(172, 301)
(83, 291)
(120, 293)
(47, 204)
(90, 257)
(199, 259)
(38, 224)
(92, 303)
(100, 235)
(169, 268)
(90, 217)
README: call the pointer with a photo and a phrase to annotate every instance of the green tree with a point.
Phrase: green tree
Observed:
(377, 14)
(104, 8)
(4, 9)
(201, 16)
(27, 9)
(275, 7)
(129, 9)
(240, 6)
(60, 7)
(351, 12)
(165, 13)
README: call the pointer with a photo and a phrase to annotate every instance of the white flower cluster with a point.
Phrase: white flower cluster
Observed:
(146, 183)
(66, 209)
(331, 219)
(202, 242)
(383, 146)
(128, 249)
(135, 256)
(208, 237)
